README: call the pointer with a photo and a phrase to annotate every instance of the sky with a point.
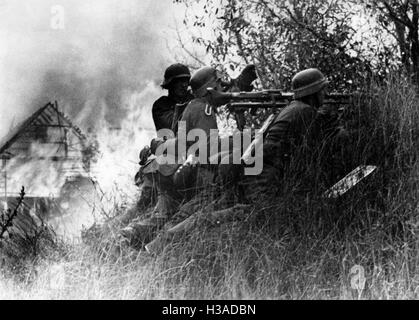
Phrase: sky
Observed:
(103, 62)
(89, 55)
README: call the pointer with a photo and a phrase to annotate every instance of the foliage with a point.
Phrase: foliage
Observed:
(282, 37)
(293, 246)
(400, 18)
(6, 218)
(20, 247)
(297, 245)
(348, 40)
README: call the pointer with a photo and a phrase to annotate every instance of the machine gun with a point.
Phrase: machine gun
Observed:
(267, 99)
(276, 99)
(237, 102)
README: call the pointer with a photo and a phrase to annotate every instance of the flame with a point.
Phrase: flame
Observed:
(113, 173)
(120, 147)
(116, 165)
(41, 176)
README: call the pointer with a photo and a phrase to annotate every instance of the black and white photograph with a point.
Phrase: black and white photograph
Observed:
(219, 151)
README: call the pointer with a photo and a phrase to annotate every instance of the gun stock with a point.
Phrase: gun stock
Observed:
(258, 105)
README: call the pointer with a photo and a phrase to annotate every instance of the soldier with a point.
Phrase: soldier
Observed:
(298, 129)
(300, 123)
(167, 110)
(297, 122)
(201, 114)
(171, 184)
(178, 183)
(166, 113)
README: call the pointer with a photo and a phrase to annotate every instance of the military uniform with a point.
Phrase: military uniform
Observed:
(295, 129)
(297, 125)
(168, 109)
(294, 140)
(200, 114)
(167, 112)
(180, 181)
(176, 184)
(187, 180)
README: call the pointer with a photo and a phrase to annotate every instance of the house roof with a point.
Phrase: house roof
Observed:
(41, 115)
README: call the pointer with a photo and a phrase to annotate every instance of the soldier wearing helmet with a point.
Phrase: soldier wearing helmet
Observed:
(173, 184)
(296, 129)
(200, 113)
(166, 112)
(297, 122)
(309, 86)
(168, 109)
(177, 183)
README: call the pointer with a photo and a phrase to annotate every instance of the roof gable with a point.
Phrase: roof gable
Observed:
(48, 115)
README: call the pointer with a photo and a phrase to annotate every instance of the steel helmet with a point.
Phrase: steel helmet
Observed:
(202, 79)
(144, 155)
(308, 82)
(175, 71)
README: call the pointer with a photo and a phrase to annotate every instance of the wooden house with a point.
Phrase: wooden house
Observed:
(43, 154)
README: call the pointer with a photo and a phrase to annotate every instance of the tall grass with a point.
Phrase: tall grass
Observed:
(294, 246)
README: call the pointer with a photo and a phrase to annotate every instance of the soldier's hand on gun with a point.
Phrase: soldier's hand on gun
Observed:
(246, 78)
(144, 155)
(217, 98)
(155, 143)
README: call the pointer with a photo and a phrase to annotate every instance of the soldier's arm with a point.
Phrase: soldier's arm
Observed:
(162, 116)
(277, 132)
(276, 146)
(178, 112)
(243, 84)
(186, 117)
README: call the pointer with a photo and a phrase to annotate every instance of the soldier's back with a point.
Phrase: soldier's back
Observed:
(293, 122)
(200, 115)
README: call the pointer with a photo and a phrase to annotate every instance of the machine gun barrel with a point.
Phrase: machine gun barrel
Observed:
(276, 99)
(266, 95)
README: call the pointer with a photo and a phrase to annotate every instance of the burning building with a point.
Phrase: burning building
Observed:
(47, 154)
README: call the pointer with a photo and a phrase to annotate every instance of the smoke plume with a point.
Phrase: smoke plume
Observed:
(102, 61)
(102, 51)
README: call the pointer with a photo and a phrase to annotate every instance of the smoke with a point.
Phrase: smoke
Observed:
(103, 61)
(103, 51)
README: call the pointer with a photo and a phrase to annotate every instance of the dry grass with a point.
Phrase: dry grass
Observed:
(291, 247)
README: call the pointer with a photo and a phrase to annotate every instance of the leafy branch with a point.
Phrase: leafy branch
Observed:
(6, 220)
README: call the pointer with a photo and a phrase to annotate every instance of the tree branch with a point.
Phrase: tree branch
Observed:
(10, 216)
(393, 15)
(182, 45)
